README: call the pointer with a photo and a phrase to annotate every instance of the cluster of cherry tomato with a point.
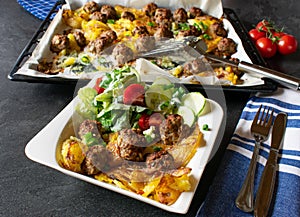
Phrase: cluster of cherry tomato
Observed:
(269, 39)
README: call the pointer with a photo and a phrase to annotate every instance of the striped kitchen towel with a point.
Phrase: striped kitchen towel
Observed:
(38, 8)
(220, 200)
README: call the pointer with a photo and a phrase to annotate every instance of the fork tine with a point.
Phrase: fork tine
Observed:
(270, 118)
(257, 115)
(266, 115)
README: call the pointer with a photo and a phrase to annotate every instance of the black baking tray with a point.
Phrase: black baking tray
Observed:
(229, 14)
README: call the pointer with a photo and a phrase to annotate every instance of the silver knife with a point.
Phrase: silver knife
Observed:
(260, 71)
(252, 69)
(267, 182)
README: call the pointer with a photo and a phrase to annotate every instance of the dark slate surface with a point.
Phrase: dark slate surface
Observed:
(30, 189)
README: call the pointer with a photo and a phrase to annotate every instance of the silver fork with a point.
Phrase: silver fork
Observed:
(260, 129)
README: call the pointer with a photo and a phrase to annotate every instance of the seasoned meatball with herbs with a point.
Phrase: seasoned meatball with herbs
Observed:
(170, 129)
(128, 15)
(195, 12)
(140, 30)
(160, 161)
(180, 15)
(109, 11)
(80, 39)
(122, 54)
(163, 16)
(163, 32)
(144, 43)
(130, 145)
(97, 15)
(91, 7)
(59, 42)
(96, 160)
(150, 9)
(227, 46)
(217, 28)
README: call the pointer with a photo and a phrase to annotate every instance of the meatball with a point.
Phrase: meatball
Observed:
(170, 129)
(195, 12)
(90, 126)
(128, 15)
(227, 46)
(140, 30)
(97, 15)
(163, 16)
(98, 45)
(91, 7)
(104, 40)
(194, 67)
(218, 29)
(96, 160)
(192, 31)
(149, 9)
(163, 32)
(109, 11)
(160, 161)
(110, 35)
(80, 39)
(59, 42)
(130, 145)
(180, 15)
(122, 54)
(144, 43)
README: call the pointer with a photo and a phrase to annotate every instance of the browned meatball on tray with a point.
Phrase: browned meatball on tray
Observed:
(180, 15)
(59, 42)
(122, 54)
(194, 67)
(195, 12)
(80, 39)
(140, 30)
(128, 15)
(170, 129)
(144, 43)
(218, 29)
(163, 16)
(149, 9)
(97, 15)
(227, 46)
(109, 11)
(91, 7)
(110, 35)
(163, 32)
(191, 31)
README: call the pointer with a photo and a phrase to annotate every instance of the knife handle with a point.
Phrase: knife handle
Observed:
(266, 186)
(284, 79)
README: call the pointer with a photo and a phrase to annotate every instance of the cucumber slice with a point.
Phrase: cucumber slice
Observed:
(187, 114)
(194, 100)
(161, 81)
(156, 95)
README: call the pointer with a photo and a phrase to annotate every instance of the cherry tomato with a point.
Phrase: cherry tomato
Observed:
(134, 95)
(144, 122)
(256, 34)
(266, 47)
(287, 44)
(264, 25)
(97, 86)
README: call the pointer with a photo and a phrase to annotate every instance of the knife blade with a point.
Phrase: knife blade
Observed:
(267, 182)
(260, 71)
